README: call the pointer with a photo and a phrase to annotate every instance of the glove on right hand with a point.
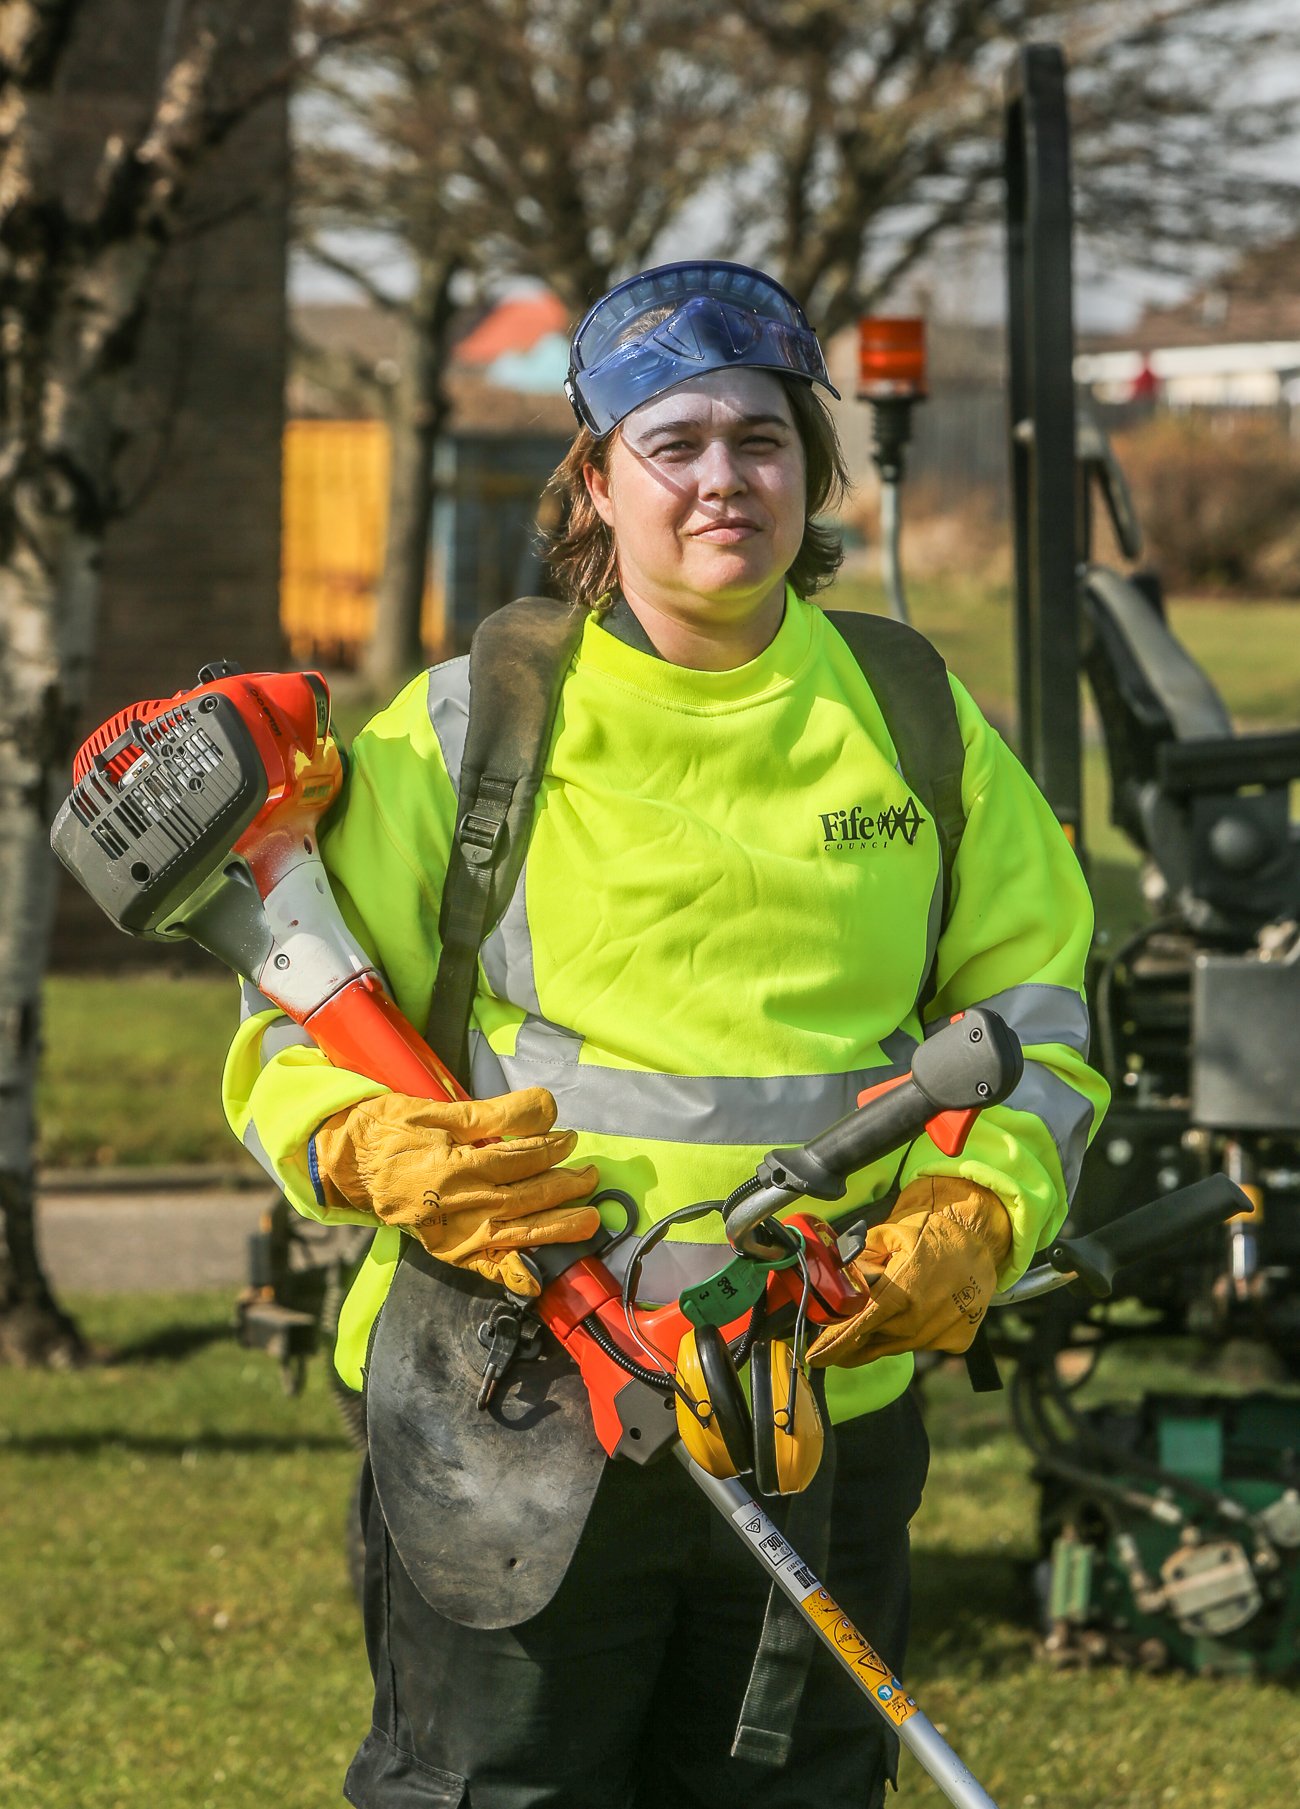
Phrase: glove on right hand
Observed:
(425, 1165)
(928, 1272)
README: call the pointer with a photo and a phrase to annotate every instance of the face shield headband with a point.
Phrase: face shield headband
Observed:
(697, 317)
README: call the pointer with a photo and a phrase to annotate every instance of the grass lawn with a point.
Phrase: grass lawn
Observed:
(131, 1069)
(1250, 650)
(180, 1635)
(179, 1630)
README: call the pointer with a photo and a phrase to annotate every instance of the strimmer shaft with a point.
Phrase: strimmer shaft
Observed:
(855, 1656)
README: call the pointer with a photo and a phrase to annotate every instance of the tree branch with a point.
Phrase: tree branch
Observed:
(352, 273)
(340, 370)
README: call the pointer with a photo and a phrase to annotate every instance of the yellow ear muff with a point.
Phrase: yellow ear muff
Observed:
(713, 1419)
(787, 1445)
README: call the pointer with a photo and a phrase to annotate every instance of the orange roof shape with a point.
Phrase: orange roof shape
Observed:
(514, 325)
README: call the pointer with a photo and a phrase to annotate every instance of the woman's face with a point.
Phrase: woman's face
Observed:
(705, 495)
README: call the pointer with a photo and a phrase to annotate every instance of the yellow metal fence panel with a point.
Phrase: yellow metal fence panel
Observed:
(335, 514)
(335, 517)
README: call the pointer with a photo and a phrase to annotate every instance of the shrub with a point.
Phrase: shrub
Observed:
(1219, 502)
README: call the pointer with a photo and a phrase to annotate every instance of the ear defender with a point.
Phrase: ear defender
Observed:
(712, 1412)
(781, 1441)
(788, 1431)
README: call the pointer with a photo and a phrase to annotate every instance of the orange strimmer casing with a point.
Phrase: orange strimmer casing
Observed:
(197, 816)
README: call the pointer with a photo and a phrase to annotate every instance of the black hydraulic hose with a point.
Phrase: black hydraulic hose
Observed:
(1105, 985)
(1038, 1374)
(1045, 1447)
(1093, 1353)
(1030, 1422)
(1222, 1506)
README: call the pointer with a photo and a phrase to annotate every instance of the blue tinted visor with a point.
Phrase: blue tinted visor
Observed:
(667, 325)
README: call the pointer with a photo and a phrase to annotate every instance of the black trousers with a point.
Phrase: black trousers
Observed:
(623, 1692)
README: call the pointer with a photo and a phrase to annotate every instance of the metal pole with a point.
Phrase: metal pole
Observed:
(852, 1652)
(890, 562)
(891, 429)
(1041, 329)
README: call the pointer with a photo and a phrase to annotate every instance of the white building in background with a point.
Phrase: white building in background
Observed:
(1234, 345)
(1242, 375)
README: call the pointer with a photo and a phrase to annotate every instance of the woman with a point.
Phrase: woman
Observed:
(717, 941)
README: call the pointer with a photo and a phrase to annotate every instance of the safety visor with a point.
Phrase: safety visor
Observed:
(679, 321)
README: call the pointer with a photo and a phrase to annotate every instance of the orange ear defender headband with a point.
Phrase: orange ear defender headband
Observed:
(780, 1440)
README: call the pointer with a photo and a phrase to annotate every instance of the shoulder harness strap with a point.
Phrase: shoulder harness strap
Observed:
(518, 661)
(909, 681)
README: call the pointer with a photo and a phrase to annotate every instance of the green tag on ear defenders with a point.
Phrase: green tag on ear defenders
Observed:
(726, 1295)
(735, 1288)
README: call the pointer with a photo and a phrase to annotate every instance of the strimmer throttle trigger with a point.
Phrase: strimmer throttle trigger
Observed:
(974, 1061)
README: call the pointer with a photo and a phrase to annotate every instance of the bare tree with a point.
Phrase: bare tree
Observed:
(546, 138)
(589, 129)
(837, 142)
(376, 164)
(76, 278)
(880, 133)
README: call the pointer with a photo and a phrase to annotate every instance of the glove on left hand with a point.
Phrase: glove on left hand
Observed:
(431, 1167)
(929, 1271)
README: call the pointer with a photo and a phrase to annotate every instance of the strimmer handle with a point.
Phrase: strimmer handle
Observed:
(359, 1027)
(1145, 1232)
(973, 1062)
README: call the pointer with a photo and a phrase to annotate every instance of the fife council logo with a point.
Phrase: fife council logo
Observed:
(857, 828)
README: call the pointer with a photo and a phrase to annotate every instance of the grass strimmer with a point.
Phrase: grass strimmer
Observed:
(196, 817)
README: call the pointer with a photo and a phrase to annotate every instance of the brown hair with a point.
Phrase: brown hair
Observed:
(581, 551)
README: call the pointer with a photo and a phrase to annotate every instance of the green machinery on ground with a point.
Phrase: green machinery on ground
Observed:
(1170, 1533)
(1123, 1584)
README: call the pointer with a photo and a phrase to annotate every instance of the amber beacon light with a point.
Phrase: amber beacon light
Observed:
(891, 377)
(891, 358)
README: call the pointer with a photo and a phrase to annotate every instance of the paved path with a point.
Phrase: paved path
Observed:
(171, 1239)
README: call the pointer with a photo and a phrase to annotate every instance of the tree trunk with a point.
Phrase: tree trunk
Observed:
(72, 297)
(48, 592)
(415, 420)
(75, 285)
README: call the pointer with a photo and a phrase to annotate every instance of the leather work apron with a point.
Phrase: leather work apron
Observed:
(484, 1505)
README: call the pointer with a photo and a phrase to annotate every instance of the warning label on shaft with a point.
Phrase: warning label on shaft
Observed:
(835, 1627)
(872, 1672)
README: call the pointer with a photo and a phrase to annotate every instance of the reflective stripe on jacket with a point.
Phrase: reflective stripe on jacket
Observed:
(723, 924)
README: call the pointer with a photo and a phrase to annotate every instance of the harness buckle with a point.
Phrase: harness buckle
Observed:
(480, 831)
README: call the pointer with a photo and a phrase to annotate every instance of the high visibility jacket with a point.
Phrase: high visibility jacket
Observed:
(722, 928)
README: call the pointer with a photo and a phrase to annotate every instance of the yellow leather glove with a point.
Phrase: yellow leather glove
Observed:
(426, 1165)
(928, 1272)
